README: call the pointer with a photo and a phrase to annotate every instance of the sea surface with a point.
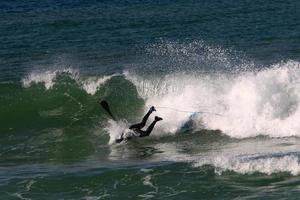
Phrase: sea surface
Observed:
(223, 75)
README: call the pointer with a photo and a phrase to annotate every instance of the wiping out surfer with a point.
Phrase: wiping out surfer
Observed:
(134, 130)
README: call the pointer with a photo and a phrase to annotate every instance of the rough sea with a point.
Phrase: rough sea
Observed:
(223, 74)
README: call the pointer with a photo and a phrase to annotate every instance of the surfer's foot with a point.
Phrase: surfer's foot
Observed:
(152, 109)
(158, 118)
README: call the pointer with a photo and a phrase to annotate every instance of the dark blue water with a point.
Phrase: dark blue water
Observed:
(104, 36)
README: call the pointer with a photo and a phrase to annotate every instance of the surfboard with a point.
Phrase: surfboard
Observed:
(189, 124)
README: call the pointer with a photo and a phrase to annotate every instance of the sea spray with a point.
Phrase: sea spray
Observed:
(249, 103)
(115, 129)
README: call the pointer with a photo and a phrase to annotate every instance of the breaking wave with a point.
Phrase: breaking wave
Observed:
(238, 99)
(240, 103)
(247, 104)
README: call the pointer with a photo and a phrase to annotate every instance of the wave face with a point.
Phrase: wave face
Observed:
(58, 98)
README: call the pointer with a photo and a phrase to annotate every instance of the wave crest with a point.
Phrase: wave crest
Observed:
(48, 78)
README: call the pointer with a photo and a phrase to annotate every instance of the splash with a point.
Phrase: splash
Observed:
(241, 105)
(176, 56)
(115, 129)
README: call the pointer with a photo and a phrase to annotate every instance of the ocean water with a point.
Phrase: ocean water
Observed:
(223, 75)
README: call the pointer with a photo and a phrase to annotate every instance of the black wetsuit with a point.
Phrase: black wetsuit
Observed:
(137, 128)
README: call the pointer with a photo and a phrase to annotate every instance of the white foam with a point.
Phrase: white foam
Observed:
(47, 77)
(245, 157)
(92, 84)
(241, 105)
(115, 129)
(251, 164)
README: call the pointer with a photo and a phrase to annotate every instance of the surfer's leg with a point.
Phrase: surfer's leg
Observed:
(145, 118)
(150, 128)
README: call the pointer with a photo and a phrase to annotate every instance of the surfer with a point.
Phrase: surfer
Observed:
(135, 130)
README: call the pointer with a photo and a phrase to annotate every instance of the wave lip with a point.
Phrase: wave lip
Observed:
(48, 78)
(92, 84)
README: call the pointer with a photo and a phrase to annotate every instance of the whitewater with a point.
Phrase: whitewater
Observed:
(248, 104)
(243, 106)
(223, 75)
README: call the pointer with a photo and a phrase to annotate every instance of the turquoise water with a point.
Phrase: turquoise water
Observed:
(234, 63)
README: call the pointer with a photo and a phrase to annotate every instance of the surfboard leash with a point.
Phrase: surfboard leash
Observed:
(187, 111)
